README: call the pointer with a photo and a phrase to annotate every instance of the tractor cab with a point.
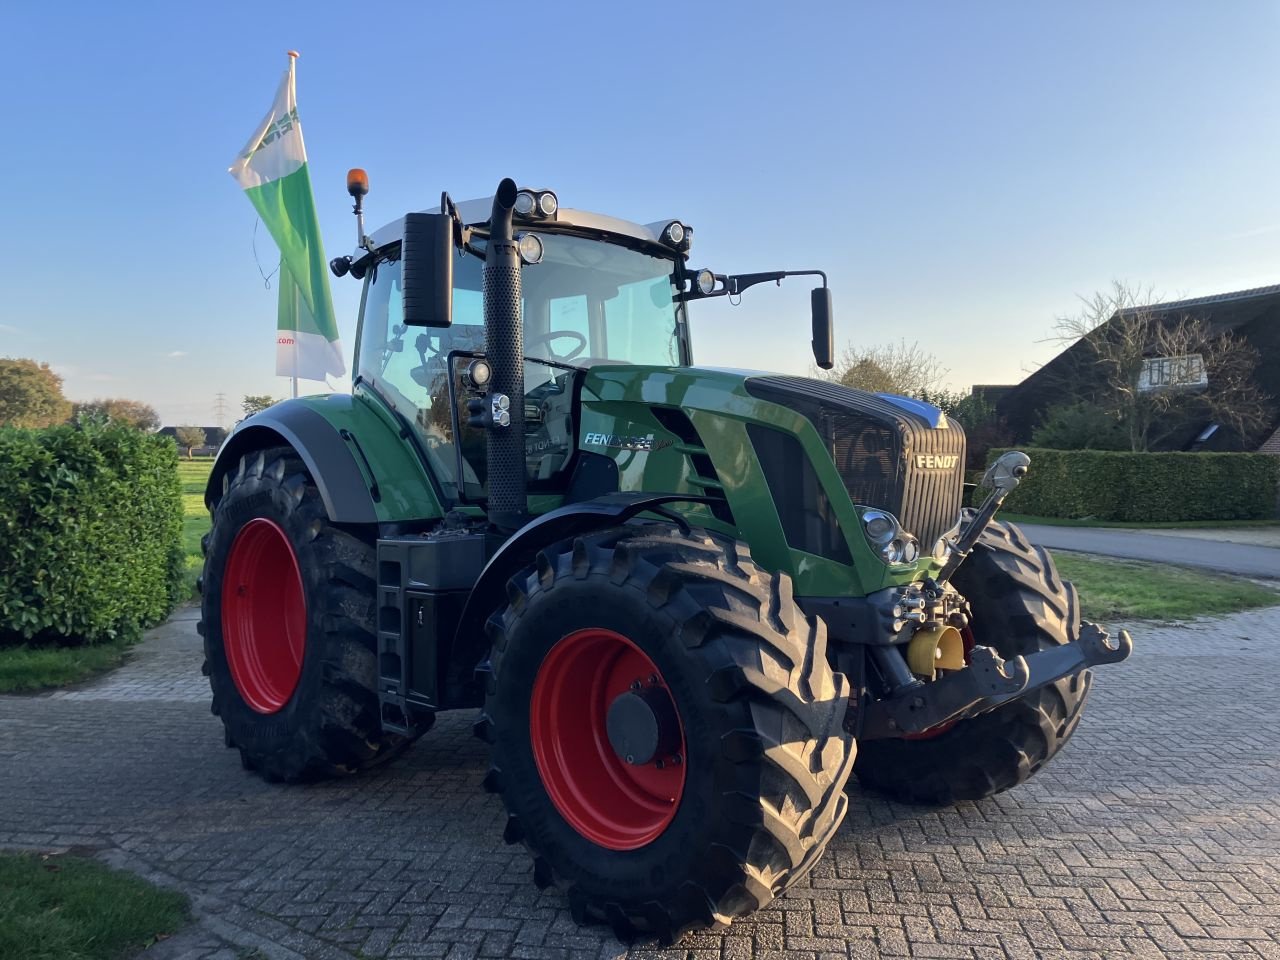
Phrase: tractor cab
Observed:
(594, 291)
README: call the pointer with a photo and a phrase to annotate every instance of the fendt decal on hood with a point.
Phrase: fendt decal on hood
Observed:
(617, 442)
(932, 461)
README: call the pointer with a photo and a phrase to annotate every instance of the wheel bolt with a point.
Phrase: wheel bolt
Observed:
(653, 679)
(675, 761)
(635, 684)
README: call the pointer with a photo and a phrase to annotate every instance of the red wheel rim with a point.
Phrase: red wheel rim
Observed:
(615, 804)
(264, 615)
(966, 635)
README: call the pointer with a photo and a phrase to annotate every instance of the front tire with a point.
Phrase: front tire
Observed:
(288, 625)
(1020, 606)
(754, 755)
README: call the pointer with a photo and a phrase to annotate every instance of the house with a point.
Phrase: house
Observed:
(1252, 315)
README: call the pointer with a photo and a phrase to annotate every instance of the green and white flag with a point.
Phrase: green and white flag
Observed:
(272, 169)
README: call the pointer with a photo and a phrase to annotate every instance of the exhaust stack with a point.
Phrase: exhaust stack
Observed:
(504, 348)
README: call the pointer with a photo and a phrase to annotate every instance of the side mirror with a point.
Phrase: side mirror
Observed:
(823, 332)
(426, 269)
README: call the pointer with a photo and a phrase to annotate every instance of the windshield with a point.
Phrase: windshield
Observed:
(590, 302)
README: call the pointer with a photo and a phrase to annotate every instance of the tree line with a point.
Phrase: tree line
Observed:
(31, 397)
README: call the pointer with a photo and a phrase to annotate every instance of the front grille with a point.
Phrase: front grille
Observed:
(875, 444)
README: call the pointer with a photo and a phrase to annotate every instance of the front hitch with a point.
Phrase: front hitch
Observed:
(988, 682)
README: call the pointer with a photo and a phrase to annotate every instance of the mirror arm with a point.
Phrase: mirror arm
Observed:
(734, 285)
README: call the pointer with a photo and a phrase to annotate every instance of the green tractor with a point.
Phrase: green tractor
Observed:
(678, 595)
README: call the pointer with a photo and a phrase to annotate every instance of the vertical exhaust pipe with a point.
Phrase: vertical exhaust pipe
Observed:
(504, 348)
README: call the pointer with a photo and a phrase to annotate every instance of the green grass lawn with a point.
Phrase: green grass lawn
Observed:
(71, 908)
(28, 669)
(194, 475)
(1133, 590)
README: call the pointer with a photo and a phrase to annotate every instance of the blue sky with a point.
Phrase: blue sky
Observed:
(963, 171)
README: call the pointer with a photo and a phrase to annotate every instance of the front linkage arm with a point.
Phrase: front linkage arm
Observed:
(1002, 477)
(987, 683)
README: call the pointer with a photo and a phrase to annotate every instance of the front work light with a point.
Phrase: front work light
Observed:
(706, 282)
(478, 374)
(674, 233)
(536, 204)
(530, 247)
(525, 202)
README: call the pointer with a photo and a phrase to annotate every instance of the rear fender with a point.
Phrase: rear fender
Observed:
(364, 470)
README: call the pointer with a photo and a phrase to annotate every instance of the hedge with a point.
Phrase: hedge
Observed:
(1147, 487)
(90, 533)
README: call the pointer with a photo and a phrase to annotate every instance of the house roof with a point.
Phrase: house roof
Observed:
(1272, 445)
(1254, 293)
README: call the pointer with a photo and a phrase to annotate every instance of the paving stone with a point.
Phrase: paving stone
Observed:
(1156, 833)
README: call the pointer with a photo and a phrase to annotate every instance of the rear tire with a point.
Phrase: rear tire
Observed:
(760, 716)
(1020, 606)
(321, 718)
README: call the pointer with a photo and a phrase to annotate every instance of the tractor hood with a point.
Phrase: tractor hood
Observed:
(806, 455)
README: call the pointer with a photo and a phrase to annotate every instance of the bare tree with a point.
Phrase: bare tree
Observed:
(1158, 372)
(900, 367)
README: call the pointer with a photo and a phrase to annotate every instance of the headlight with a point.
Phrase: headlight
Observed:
(893, 543)
(706, 282)
(548, 204)
(901, 549)
(530, 248)
(941, 550)
(880, 526)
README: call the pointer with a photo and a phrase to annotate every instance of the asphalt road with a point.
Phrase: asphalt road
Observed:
(1238, 558)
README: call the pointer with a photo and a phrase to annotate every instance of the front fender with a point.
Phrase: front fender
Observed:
(469, 643)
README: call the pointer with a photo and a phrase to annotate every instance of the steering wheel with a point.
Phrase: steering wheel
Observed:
(546, 338)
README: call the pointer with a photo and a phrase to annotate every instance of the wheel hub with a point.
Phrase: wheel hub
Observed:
(643, 726)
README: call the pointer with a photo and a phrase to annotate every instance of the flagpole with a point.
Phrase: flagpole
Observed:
(293, 58)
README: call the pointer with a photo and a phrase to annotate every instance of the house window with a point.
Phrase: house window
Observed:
(1173, 373)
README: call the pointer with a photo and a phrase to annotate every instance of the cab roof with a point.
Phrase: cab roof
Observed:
(476, 212)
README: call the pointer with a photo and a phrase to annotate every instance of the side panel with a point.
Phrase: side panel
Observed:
(366, 471)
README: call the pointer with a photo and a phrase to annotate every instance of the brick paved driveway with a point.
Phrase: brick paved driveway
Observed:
(1157, 833)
